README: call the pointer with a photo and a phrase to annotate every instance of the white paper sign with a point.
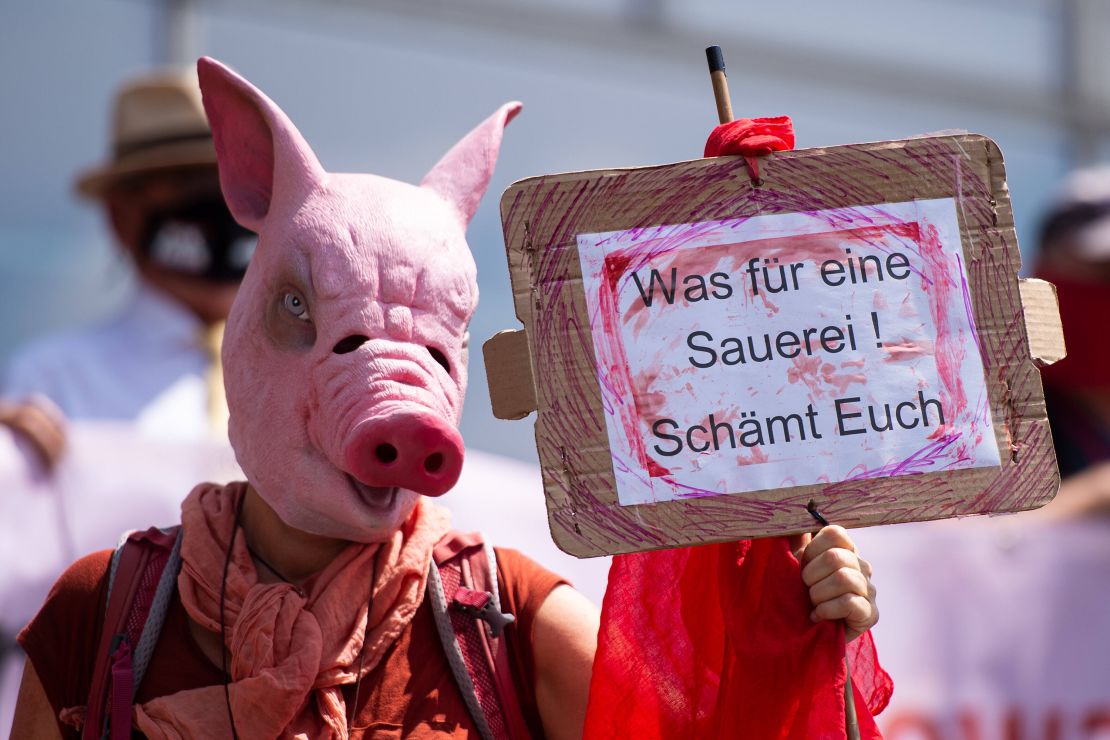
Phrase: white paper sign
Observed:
(786, 350)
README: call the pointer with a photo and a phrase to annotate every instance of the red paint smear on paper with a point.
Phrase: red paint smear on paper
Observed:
(757, 456)
(663, 253)
(840, 381)
(817, 375)
(617, 370)
(907, 349)
(805, 370)
(949, 352)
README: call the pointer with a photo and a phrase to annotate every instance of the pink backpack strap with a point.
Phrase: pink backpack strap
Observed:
(463, 591)
(141, 581)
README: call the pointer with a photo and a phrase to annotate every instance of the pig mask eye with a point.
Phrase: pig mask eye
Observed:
(294, 304)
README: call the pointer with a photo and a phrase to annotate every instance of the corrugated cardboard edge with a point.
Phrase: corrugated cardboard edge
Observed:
(1042, 321)
(512, 390)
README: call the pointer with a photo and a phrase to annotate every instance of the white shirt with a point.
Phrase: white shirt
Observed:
(146, 366)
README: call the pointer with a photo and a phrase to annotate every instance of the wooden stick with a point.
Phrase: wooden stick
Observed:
(851, 721)
(716, 60)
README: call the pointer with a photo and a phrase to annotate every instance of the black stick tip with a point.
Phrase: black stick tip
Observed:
(716, 59)
(813, 512)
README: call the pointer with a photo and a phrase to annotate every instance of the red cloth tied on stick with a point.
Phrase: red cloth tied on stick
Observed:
(751, 138)
(716, 641)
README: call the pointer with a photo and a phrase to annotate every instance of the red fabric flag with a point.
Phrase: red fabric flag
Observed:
(716, 641)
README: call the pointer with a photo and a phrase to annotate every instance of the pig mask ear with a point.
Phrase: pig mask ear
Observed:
(462, 176)
(261, 155)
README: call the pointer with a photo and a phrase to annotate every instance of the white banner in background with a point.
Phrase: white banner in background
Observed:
(994, 629)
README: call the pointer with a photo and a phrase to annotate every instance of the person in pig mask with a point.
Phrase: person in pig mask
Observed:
(300, 607)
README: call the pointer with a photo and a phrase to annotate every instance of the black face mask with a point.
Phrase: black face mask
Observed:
(201, 240)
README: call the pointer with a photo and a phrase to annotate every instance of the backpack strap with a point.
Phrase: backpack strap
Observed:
(141, 581)
(462, 589)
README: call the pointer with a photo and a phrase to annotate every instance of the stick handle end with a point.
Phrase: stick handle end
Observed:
(716, 59)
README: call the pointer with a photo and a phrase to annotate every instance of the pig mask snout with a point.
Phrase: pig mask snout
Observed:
(383, 410)
(412, 450)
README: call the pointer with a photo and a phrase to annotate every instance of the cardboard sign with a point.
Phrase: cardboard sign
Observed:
(711, 355)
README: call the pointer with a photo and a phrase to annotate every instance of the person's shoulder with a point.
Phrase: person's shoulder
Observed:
(73, 604)
(527, 582)
(512, 560)
(85, 575)
(74, 598)
(80, 587)
(61, 640)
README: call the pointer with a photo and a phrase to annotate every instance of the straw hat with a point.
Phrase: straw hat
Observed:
(158, 124)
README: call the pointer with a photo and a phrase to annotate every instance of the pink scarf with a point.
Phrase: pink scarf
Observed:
(290, 650)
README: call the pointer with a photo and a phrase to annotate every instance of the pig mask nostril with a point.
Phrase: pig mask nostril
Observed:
(386, 453)
(440, 358)
(433, 462)
(349, 344)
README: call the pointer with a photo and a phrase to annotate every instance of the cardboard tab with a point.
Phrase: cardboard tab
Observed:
(509, 374)
(1042, 321)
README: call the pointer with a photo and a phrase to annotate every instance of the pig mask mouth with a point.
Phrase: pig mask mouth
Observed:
(381, 499)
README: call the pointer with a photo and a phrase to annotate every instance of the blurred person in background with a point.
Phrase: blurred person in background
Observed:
(100, 426)
(151, 363)
(1075, 256)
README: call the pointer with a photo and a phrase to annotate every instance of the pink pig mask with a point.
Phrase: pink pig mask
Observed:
(345, 351)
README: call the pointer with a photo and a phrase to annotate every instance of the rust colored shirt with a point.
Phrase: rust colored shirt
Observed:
(410, 694)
